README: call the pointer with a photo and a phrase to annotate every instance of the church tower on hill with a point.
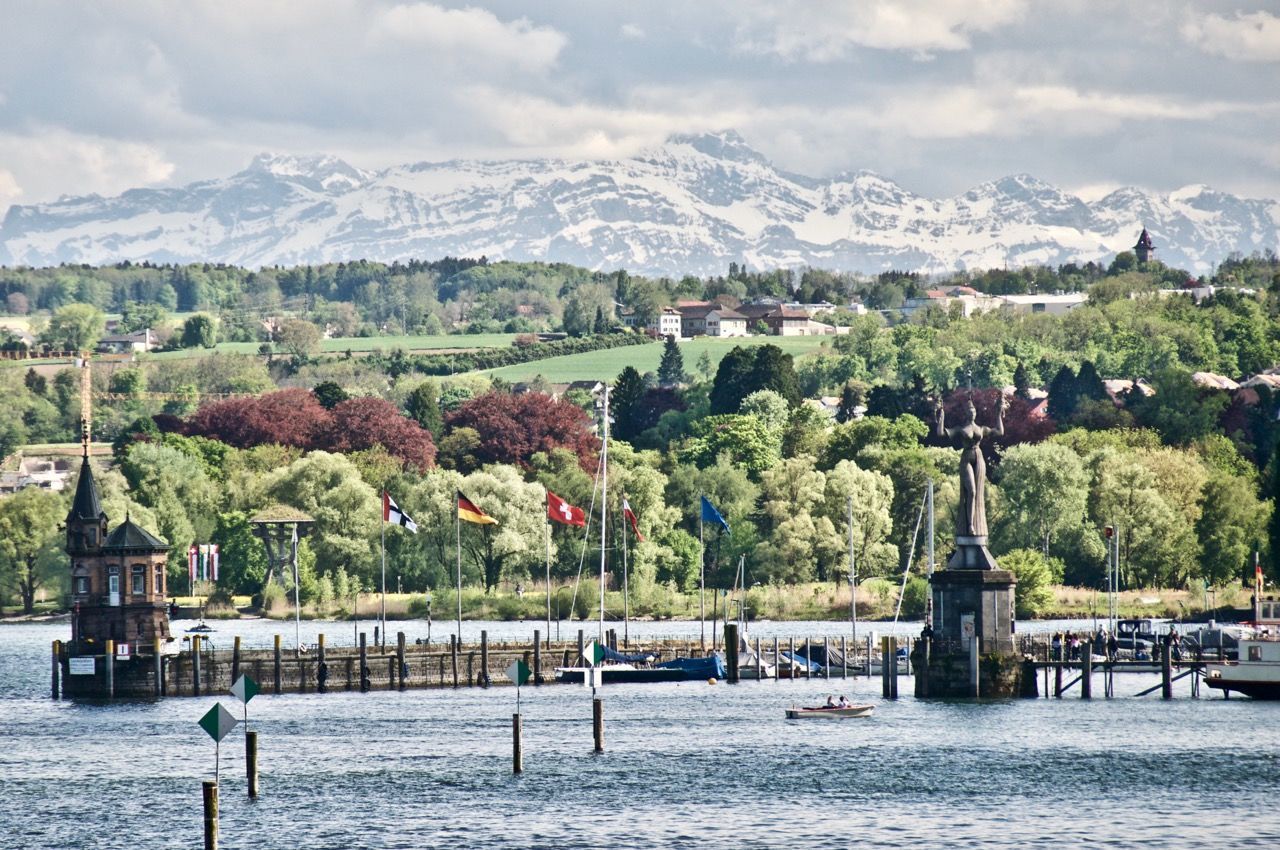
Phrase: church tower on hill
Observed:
(1145, 249)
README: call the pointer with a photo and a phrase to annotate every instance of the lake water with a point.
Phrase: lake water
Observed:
(686, 765)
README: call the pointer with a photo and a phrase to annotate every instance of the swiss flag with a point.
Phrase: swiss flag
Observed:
(561, 511)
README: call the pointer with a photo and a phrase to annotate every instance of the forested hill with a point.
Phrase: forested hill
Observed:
(692, 205)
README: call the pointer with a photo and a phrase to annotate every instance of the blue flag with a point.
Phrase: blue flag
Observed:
(710, 514)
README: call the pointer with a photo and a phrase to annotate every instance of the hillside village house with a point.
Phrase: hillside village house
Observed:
(666, 323)
(127, 343)
(1056, 304)
(711, 320)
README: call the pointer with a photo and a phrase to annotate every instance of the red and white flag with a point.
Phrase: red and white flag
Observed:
(215, 555)
(631, 518)
(391, 513)
(192, 554)
(561, 511)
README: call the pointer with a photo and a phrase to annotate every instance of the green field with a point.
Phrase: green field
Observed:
(605, 365)
(365, 343)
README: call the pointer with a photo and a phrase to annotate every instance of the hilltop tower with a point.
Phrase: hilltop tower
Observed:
(1145, 249)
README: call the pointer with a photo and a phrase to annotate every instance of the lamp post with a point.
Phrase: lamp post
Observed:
(428, 618)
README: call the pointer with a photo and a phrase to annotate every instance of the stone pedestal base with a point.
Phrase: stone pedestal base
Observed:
(941, 674)
(971, 604)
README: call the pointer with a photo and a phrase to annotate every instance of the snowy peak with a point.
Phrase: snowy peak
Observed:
(689, 206)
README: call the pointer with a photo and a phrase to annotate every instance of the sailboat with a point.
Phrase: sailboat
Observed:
(616, 667)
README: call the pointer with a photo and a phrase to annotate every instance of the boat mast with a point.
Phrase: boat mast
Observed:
(604, 502)
(853, 580)
(928, 602)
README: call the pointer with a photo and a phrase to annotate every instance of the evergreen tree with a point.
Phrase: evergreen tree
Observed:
(671, 368)
(1089, 385)
(747, 369)
(329, 394)
(1063, 395)
(600, 326)
(624, 402)
(1021, 383)
(423, 406)
(849, 401)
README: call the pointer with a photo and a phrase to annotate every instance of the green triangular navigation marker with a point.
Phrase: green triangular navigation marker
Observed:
(595, 653)
(217, 721)
(518, 672)
(245, 689)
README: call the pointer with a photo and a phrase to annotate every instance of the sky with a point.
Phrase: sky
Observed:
(937, 95)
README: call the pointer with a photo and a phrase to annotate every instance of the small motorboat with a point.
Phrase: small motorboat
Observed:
(201, 628)
(836, 711)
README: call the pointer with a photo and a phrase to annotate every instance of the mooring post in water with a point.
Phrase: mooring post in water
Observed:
(251, 762)
(1166, 680)
(57, 666)
(792, 656)
(884, 666)
(195, 665)
(922, 671)
(893, 668)
(517, 756)
(453, 654)
(731, 652)
(1086, 672)
(483, 679)
(158, 661)
(109, 668)
(826, 657)
(844, 658)
(1057, 679)
(322, 668)
(777, 661)
(597, 723)
(401, 667)
(759, 662)
(868, 656)
(537, 657)
(210, 815)
(235, 659)
(276, 677)
(364, 664)
(582, 649)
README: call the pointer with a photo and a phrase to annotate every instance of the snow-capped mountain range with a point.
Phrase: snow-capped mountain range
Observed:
(689, 206)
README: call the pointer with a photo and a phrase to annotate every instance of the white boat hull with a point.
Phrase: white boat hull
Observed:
(838, 713)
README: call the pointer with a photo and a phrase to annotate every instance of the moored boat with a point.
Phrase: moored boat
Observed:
(1256, 673)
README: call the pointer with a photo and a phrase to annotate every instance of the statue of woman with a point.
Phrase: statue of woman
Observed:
(972, 519)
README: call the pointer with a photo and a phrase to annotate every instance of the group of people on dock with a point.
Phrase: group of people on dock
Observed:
(1070, 646)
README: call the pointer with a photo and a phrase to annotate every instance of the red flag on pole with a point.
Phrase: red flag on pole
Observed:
(561, 511)
(631, 518)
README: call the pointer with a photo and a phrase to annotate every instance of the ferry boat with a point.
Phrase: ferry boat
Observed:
(1256, 670)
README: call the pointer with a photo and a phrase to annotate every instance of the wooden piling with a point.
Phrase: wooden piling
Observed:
(844, 659)
(826, 657)
(893, 668)
(1166, 671)
(483, 679)
(57, 667)
(537, 657)
(1057, 679)
(109, 669)
(582, 648)
(195, 664)
(251, 762)
(922, 671)
(1086, 673)
(868, 656)
(364, 664)
(792, 656)
(777, 661)
(400, 666)
(453, 653)
(471, 669)
(597, 723)
(731, 652)
(210, 815)
(157, 658)
(884, 666)
(517, 756)
(322, 668)
(275, 682)
(235, 659)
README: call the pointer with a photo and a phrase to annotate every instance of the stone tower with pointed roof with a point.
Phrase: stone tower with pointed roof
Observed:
(1145, 247)
(117, 577)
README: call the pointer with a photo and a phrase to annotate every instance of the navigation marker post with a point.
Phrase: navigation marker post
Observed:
(217, 722)
(593, 677)
(245, 689)
(518, 672)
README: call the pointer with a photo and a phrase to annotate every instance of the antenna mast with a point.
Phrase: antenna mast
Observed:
(86, 396)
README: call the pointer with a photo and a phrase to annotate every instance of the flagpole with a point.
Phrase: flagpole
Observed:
(853, 580)
(297, 597)
(702, 577)
(547, 522)
(626, 590)
(383, 613)
(458, 526)
(604, 505)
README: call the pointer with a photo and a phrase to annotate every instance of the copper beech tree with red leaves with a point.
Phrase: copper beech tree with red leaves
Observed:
(294, 417)
(512, 428)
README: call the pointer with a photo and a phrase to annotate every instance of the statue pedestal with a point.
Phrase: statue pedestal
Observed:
(971, 605)
(971, 554)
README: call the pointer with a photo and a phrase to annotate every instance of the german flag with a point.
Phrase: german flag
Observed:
(468, 512)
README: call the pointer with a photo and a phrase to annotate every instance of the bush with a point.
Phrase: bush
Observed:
(273, 599)
(1033, 592)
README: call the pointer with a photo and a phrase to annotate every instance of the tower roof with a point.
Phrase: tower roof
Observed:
(131, 536)
(1144, 241)
(86, 506)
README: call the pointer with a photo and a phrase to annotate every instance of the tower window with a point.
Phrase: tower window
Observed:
(158, 587)
(81, 586)
(138, 580)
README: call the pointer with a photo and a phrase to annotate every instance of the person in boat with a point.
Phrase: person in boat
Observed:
(831, 701)
(844, 701)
